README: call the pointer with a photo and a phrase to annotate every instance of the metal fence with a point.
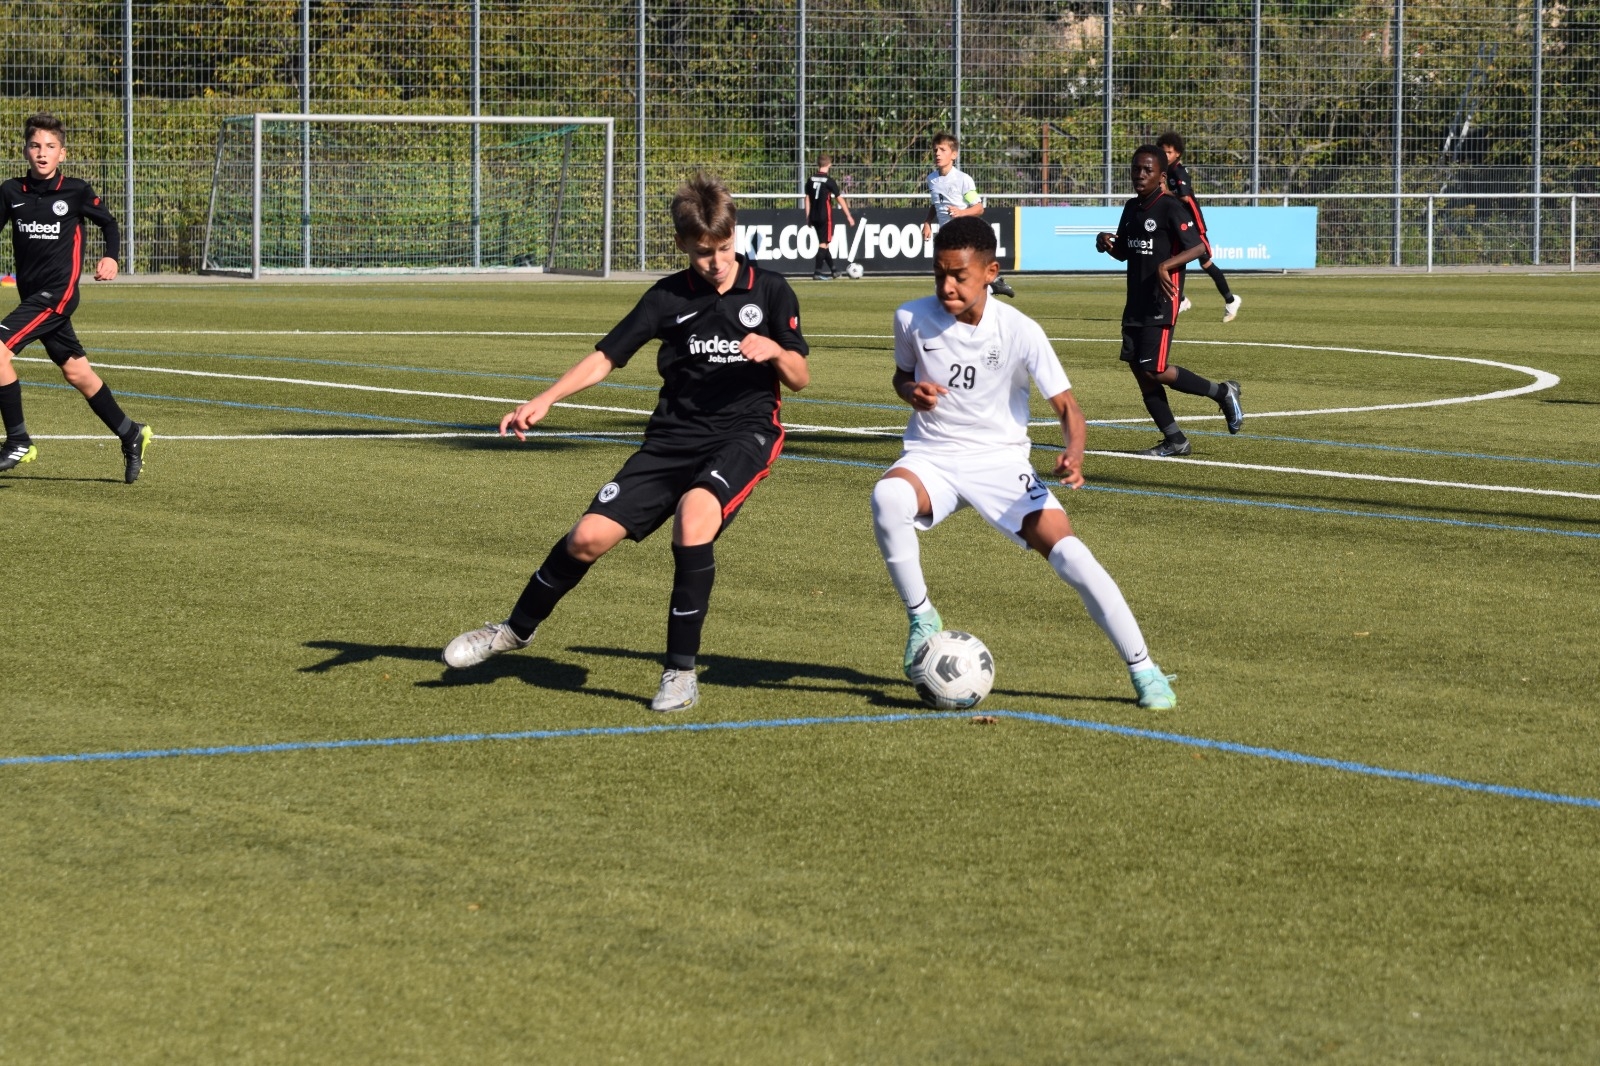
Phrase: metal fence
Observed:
(1314, 99)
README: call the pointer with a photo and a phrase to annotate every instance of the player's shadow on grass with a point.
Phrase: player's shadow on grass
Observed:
(542, 444)
(532, 670)
(735, 671)
(56, 477)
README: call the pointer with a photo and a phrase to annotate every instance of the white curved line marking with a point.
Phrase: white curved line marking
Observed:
(1541, 380)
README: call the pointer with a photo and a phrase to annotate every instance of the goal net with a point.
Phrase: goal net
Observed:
(351, 193)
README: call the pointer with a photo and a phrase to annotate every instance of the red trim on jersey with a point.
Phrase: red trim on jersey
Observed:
(1199, 219)
(828, 228)
(777, 449)
(22, 333)
(77, 270)
(1166, 343)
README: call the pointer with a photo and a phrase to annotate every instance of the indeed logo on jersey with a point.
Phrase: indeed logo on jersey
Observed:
(716, 349)
(42, 231)
(1142, 245)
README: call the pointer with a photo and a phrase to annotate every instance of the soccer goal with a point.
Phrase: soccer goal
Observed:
(407, 193)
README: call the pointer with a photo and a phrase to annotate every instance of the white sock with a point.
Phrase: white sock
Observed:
(1078, 567)
(894, 509)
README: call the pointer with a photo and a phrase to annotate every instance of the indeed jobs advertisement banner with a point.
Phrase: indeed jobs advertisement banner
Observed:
(883, 241)
(1242, 238)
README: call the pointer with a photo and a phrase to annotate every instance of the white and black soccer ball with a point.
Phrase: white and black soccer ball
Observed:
(854, 270)
(952, 671)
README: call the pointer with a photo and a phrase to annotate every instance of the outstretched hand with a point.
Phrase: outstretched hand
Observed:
(525, 417)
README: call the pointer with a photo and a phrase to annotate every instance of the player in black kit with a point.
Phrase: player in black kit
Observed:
(730, 337)
(1156, 236)
(821, 192)
(1171, 145)
(46, 210)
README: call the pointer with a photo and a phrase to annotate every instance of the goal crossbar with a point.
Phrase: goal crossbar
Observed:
(260, 119)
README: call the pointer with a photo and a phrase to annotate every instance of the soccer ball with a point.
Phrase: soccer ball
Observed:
(952, 671)
(854, 270)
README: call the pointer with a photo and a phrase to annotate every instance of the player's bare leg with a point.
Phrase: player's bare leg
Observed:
(1049, 532)
(898, 499)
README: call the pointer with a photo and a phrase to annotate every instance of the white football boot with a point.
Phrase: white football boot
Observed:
(472, 648)
(679, 691)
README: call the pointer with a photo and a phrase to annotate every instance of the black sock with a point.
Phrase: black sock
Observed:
(1195, 385)
(558, 575)
(1161, 412)
(104, 404)
(694, 572)
(1222, 281)
(11, 413)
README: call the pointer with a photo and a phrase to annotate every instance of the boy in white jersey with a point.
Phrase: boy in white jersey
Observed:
(964, 365)
(953, 194)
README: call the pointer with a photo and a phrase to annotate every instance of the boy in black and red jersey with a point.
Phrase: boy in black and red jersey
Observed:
(822, 192)
(1156, 236)
(46, 210)
(730, 338)
(1171, 145)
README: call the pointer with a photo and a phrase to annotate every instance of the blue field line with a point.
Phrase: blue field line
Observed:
(1355, 446)
(606, 438)
(1196, 498)
(1274, 754)
(836, 403)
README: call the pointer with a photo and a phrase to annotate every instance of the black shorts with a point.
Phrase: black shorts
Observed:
(646, 491)
(37, 319)
(1146, 347)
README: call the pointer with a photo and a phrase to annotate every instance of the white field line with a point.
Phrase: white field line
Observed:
(480, 434)
(311, 382)
(895, 431)
(338, 333)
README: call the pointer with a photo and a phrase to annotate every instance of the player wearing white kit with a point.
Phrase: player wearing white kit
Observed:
(953, 194)
(964, 364)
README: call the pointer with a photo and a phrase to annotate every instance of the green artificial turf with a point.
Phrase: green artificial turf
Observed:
(903, 889)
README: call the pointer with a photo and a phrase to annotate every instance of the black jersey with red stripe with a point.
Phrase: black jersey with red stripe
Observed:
(47, 236)
(1178, 185)
(1149, 233)
(821, 190)
(709, 389)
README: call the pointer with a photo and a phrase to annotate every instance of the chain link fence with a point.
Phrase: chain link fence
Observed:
(1465, 100)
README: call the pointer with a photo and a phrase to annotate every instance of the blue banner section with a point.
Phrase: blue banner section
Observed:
(1242, 238)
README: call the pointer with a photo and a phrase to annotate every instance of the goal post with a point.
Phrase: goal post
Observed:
(301, 193)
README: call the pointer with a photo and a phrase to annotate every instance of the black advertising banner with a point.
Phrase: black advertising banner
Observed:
(883, 241)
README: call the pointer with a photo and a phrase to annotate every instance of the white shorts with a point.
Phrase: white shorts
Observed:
(1001, 486)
